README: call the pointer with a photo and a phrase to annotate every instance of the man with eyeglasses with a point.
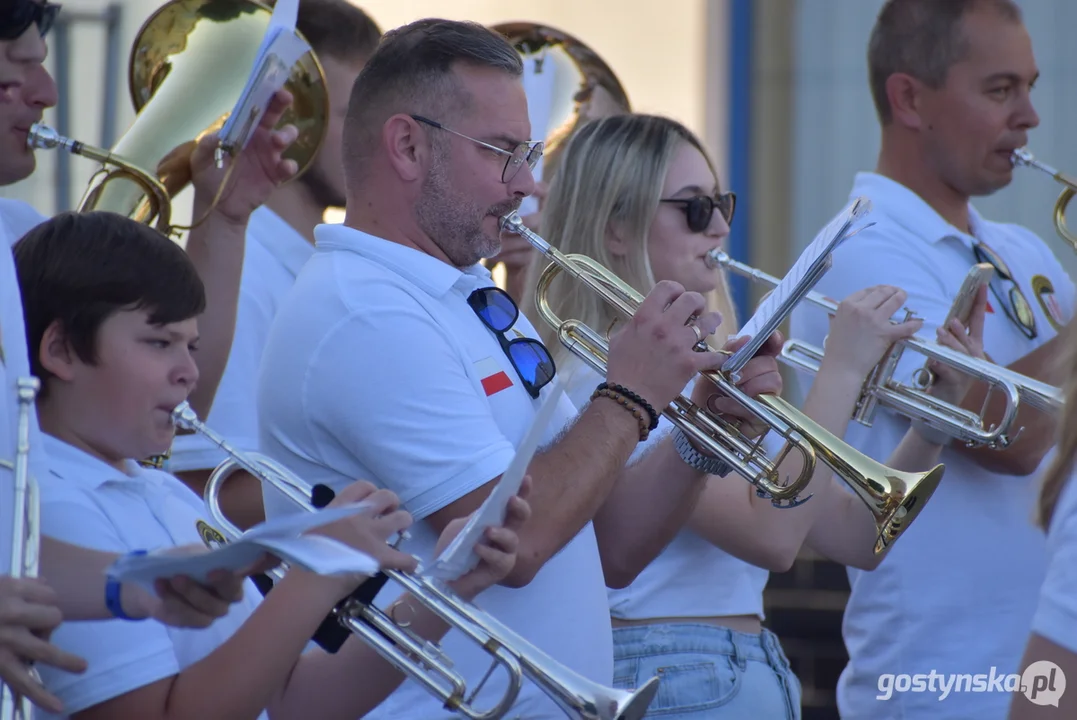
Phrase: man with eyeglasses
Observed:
(396, 359)
(951, 83)
(76, 590)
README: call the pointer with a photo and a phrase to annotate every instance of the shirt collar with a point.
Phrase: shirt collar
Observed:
(432, 275)
(78, 467)
(907, 209)
(282, 240)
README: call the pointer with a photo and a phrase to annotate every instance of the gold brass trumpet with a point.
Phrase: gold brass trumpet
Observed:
(1022, 156)
(912, 402)
(26, 531)
(894, 498)
(419, 659)
(189, 64)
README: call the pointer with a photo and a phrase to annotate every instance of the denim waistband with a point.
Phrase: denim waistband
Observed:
(648, 640)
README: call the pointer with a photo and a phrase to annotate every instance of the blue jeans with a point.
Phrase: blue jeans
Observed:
(706, 671)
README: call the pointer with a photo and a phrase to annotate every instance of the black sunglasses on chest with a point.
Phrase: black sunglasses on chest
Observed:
(1014, 303)
(17, 16)
(529, 357)
(699, 210)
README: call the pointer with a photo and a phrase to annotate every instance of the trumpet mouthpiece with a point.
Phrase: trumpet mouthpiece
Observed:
(43, 137)
(717, 258)
(511, 222)
(184, 417)
(1021, 156)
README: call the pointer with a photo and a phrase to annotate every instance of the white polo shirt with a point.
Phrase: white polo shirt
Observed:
(1056, 613)
(274, 254)
(86, 502)
(691, 577)
(375, 370)
(14, 364)
(956, 594)
(19, 217)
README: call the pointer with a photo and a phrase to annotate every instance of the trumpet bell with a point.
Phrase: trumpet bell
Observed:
(189, 64)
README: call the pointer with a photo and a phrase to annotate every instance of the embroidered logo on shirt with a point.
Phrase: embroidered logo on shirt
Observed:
(210, 535)
(494, 379)
(1045, 293)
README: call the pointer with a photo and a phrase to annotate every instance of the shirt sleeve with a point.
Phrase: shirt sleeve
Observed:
(235, 413)
(409, 412)
(1056, 613)
(121, 655)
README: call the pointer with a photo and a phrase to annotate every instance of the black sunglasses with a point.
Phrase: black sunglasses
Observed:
(529, 357)
(700, 209)
(21, 14)
(1015, 304)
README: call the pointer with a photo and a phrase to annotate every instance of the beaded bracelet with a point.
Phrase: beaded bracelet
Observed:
(634, 397)
(627, 404)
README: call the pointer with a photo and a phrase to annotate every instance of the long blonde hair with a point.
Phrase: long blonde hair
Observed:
(612, 170)
(1061, 468)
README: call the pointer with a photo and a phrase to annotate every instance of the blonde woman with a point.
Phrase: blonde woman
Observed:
(638, 194)
(1051, 655)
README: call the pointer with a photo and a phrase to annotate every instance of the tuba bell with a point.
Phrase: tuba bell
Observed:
(189, 64)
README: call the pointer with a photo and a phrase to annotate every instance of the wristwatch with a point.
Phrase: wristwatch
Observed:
(694, 458)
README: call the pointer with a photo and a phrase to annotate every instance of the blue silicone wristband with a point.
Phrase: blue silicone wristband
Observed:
(113, 587)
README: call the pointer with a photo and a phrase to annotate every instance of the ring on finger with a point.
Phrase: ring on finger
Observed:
(698, 332)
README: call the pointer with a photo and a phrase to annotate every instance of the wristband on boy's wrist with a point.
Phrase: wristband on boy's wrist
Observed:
(114, 594)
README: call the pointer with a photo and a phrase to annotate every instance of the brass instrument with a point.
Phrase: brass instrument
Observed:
(1022, 156)
(26, 532)
(414, 656)
(894, 498)
(586, 87)
(913, 402)
(189, 64)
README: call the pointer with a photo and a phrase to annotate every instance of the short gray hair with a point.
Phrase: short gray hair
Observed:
(921, 38)
(411, 72)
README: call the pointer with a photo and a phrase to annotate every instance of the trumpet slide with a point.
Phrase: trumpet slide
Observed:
(417, 658)
(26, 530)
(894, 498)
(913, 402)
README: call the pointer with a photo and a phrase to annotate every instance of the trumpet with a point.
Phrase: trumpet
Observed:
(419, 659)
(913, 402)
(894, 498)
(26, 538)
(1022, 157)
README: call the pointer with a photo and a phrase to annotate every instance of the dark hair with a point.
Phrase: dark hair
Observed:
(82, 268)
(338, 29)
(411, 71)
(921, 38)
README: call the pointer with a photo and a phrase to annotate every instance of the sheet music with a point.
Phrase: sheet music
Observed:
(809, 268)
(282, 537)
(280, 49)
(459, 557)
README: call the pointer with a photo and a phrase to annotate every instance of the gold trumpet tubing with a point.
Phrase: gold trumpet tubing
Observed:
(156, 205)
(579, 698)
(26, 530)
(999, 379)
(914, 403)
(1022, 156)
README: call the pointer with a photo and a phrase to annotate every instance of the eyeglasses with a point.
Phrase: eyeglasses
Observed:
(1017, 309)
(528, 152)
(529, 357)
(700, 209)
(21, 14)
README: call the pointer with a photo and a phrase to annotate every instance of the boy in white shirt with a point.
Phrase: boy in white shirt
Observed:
(110, 307)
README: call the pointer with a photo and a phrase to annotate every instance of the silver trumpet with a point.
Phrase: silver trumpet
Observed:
(26, 540)
(913, 401)
(420, 659)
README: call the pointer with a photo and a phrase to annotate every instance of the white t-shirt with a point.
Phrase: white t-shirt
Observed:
(274, 255)
(375, 370)
(1056, 614)
(691, 577)
(957, 592)
(14, 364)
(86, 502)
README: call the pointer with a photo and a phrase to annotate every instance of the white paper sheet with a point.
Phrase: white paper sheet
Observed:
(459, 557)
(280, 50)
(282, 537)
(539, 88)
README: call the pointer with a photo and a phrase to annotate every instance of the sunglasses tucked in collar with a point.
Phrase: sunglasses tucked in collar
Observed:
(16, 16)
(1014, 303)
(529, 357)
(526, 152)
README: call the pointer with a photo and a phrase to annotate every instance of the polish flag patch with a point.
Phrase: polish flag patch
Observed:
(494, 379)
(989, 308)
